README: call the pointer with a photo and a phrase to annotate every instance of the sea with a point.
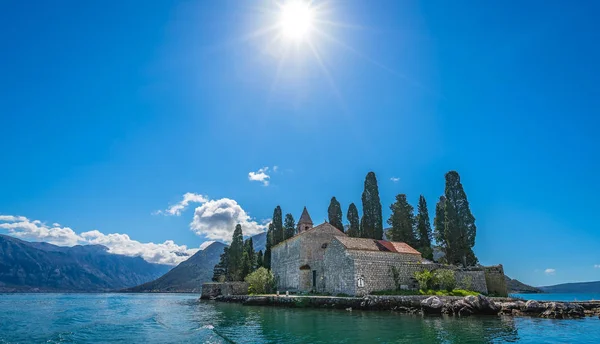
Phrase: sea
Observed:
(183, 318)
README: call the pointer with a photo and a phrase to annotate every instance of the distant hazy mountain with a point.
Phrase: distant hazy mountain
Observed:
(30, 266)
(188, 276)
(517, 287)
(259, 241)
(581, 287)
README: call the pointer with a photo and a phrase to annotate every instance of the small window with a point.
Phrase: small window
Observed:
(361, 282)
(324, 245)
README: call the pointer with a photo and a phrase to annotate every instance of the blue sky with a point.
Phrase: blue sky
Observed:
(111, 112)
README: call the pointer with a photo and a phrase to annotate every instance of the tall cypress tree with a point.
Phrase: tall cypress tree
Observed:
(248, 259)
(334, 213)
(220, 273)
(352, 215)
(402, 221)
(259, 259)
(371, 224)
(460, 229)
(278, 235)
(236, 252)
(439, 224)
(424, 229)
(267, 256)
(289, 226)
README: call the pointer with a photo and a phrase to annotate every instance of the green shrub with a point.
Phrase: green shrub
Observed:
(426, 279)
(342, 295)
(445, 279)
(261, 281)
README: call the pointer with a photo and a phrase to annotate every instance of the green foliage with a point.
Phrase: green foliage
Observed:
(236, 252)
(467, 282)
(342, 295)
(334, 213)
(278, 235)
(371, 224)
(289, 226)
(459, 229)
(220, 270)
(352, 216)
(444, 279)
(395, 292)
(402, 221)
(395, 276)
(425, 279)
(424, 230)
(261, 281)
(455, 292)
(269, 244)
(259, 259)
(439, 224)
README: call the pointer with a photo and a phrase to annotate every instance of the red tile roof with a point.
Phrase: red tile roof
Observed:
(364, 244)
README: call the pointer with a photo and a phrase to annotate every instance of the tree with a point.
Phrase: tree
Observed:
(352, 215)
(371, 224)
(402, 221)
(267, 256)
(459, 229)
(220, 270)
(289, 226)
(277, 226)
(439, 224)
(335, 214)
(259, 259)
(424, 229)
(236, 252)
(261, 281)
(248, 259)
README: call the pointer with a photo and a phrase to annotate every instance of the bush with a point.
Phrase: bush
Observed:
(261, 281)
(445, 279)
(425, 279)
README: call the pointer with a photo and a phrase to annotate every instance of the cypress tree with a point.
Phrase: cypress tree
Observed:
(424, 229)
(267, 256)
(289, 226)
(439, 224)
(371, 224)
(259, 259)
(352, 215)
(236, 252)
(248, 259)
(278, 235)
(460, 229)
(402, 221)
(220, 270)
(335, 214)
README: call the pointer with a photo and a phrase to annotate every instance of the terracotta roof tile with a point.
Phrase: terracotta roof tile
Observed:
(364, 244)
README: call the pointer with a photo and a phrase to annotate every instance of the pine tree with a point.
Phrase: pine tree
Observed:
(259, 259)
(278, 235)
(371, 224)
(289, 226)
(439, 224)
(424, 229)
(220, 270)
(460, 229)
(236, 252)
(335, 214)
(402, 221)
(352, 215)
(267, 256)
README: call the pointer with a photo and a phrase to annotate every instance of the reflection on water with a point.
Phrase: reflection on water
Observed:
(163, 318)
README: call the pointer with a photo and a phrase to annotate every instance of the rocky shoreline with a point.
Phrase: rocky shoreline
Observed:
(428, 305)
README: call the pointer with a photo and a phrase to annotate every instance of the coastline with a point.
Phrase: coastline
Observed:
(426, 305)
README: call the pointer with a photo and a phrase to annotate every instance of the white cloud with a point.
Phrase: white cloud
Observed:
(275, 168)
(550, 271)
(179, 207)
(217, 219)
(206, 244)
(260, 176)
(165, 253)
(395, 179)
(597, 266)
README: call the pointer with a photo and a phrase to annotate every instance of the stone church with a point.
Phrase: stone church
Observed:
(324, 259)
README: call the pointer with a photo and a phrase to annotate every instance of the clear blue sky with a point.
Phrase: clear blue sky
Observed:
(111, 111)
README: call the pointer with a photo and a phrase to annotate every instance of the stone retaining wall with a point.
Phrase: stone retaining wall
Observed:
(212, 290)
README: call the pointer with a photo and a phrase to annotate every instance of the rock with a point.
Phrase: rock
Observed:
(533, 306)
(558, 310)
(471, 305)
(432, 305)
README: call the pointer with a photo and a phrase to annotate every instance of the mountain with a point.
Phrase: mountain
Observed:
(30, 266)
(259, 241)
(188, 276)
(579, 287)
(517, 287)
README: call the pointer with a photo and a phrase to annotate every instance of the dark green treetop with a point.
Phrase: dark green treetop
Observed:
(402, 221)
(289, 226)
(352, 215)
(371, 225)
(334, 213)
(424, 230)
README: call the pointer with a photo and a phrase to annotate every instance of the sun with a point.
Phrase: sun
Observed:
(296, 19)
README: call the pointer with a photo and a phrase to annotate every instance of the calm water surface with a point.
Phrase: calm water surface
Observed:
(164, 318)
(559, 297)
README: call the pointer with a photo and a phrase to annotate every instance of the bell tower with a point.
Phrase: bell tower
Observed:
(305, 223)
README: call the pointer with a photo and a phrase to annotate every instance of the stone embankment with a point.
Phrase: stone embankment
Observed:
(428, 305)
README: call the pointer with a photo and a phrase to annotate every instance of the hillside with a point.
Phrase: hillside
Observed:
(38, 267)
(188, 276)
(579, 287)
(517, 287)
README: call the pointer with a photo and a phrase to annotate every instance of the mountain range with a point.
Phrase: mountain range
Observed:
(42, 267)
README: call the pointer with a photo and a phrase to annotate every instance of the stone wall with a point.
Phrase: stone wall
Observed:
(285, 264)
(212, 290)
(495, 280)
(471, 280)
(339, 270)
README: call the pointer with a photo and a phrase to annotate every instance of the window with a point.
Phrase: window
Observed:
(324, 245)
(314, 278)
(361, 282)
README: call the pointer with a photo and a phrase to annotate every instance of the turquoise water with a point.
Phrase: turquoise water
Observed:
(559, 297)
(168, 318)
